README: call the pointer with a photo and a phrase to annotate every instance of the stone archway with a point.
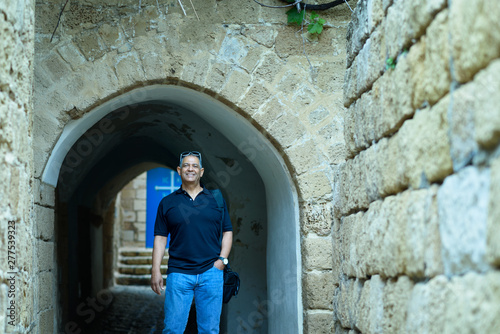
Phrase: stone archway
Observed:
(251, 157)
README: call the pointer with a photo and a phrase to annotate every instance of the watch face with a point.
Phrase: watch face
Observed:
(225, 261)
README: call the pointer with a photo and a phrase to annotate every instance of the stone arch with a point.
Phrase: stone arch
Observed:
(283, 300)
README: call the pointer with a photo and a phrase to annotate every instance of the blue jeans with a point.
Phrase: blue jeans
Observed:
(207, 291)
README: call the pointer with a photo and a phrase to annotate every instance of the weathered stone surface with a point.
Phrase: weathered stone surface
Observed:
(287, 130)
(486, 106)
(370, 311)
(473, 304)
(316, 185)
(320, 322)
(317, 218)
(371, 61)
(317, 253)
(493, 225)
(44, 222)
(256, 95)
(236, 85)
(463, 212)
(474, 43)
(46, 324)
(437, 76)
(425, 146)
(346, 302)
(304, 156)
(319, 290)
(45, 255)
(427, 306)
(45, 290)
(396, 296)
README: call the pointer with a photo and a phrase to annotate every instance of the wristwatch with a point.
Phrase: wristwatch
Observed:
(224, 260)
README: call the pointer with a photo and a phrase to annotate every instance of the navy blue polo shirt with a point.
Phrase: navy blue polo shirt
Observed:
(194, 227)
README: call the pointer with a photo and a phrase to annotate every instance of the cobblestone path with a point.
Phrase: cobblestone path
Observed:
(134, 310)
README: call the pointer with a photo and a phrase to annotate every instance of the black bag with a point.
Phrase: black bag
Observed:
(231, 284)
(231, 278)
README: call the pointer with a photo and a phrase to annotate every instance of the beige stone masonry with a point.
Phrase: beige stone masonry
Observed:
(317, 253)
(396, 236)
(416, 156)
(493, 225)
(397, 293)
(318, 290)
(474, 39)
(320, 322)
(440, 305)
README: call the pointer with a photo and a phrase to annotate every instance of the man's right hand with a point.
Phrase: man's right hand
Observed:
(157, 282)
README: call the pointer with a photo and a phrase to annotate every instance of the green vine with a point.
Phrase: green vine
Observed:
(314, 23)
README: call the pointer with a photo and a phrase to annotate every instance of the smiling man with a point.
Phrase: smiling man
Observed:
(196, 254)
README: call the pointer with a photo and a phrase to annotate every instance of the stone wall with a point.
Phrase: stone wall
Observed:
(416, 227)
(241, 54)
(26, 267)
(133, 217)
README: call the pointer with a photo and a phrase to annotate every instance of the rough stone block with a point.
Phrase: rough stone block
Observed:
(129, 216)
(141, 216)
(71, 54)
(45, 255)
(90, 45)
(318, 292)
(371, 61)
(128, 69)
(350, 82)
(320, 322)
(427, 306)
(236, 85)
(425, 146)
(287, 130)
(463, 212)
(493, 225)
(44, 193)
(139, 204)
(45, 290)
(370, 310)
(270, 65)
(437, 76)
(46, 322)
(486, 106)
(474, 41)
(315, 185)
(473, 304)
(346, 301)
(44, 218)
(396, 296)
(304, 155)
(254, 98)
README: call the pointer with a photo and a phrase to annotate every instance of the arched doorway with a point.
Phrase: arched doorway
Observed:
(148, 126)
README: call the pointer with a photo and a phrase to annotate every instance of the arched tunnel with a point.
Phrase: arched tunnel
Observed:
(98, 154)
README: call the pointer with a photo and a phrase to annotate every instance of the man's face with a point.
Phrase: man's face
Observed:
(190, 171)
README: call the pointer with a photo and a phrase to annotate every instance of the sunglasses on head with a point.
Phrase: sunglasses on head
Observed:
(188, 153)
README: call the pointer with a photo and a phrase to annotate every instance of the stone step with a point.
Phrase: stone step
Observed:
(136, 252)
(140, 260)
(123, 279)
(139, 269)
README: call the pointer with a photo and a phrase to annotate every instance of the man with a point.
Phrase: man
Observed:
(196, 257)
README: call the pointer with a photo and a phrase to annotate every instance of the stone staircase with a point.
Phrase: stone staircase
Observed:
(134, 266)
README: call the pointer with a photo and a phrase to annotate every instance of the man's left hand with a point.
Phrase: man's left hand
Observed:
(219, 265)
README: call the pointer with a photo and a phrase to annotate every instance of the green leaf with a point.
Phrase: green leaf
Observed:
(315, 28)
(295, 17)
(313, 16)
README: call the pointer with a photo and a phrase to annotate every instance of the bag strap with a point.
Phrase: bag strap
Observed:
(220, 204)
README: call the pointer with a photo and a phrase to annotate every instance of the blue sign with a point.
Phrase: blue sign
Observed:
(160, 183)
